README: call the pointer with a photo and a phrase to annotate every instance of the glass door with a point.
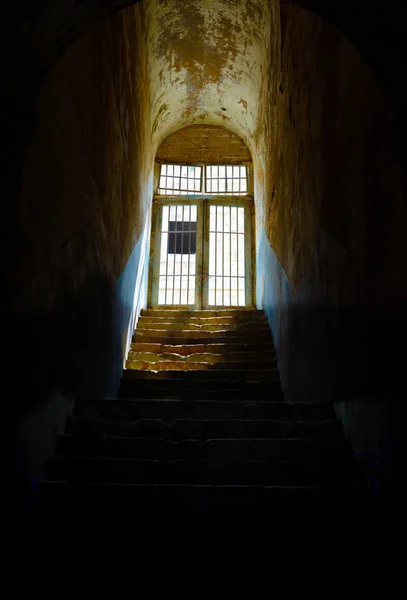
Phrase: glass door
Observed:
(201, 254)
(227, 254)
(177, 255)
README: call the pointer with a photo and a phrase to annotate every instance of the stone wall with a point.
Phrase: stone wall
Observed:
(209, 144)
(86, 196)
(332, 254)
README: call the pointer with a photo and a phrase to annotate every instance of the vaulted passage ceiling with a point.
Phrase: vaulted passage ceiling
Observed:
(207, 63)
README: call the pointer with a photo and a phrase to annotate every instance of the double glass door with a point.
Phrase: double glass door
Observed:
(201, 253)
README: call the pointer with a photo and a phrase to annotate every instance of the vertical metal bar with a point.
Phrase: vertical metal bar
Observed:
(166, 257)
(230, 256)
(175, 252)
(189, 253)
(223, 256)
(182, 253)
(216, 255)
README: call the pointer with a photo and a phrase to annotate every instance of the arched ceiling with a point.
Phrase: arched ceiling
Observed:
(207, 63)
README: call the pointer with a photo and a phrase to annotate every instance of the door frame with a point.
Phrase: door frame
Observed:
(202, 248)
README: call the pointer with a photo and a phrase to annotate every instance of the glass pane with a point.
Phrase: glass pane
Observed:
(241, 219)
(219, 255)
(177, 170)
(241, 255)
(163, 169)
(234, 257)
(161, 291)
(233, 292)
(219, 299)
(226, 253)
(219, 218)
(226, 218)
(242, 300)
(212, 218)
(170, 170)
(165, 214)
(233, 221)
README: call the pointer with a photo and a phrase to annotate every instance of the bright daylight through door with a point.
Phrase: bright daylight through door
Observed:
(202, 246)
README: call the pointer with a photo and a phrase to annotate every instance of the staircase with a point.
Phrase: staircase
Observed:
(201, 423)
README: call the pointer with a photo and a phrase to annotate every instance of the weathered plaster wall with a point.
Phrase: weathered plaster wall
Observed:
(332, 254)
(207, 59)
(86, 195)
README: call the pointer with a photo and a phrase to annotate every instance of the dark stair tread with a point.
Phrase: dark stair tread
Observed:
(215, 372)
(203, 428)
(240, 449)
(172, 408)
(128, 470)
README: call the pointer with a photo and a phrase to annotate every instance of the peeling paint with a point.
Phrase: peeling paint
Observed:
(163, 108)
(206, 56)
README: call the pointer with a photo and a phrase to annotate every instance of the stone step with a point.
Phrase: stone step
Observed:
(211, 348)
(223, 320)
(210, 472)
(198, 328)
(178, 429)
(212, 379)
(162, 336)
(229, 449)
(222, 312)
(170, 410)
(249, 371)
(207, 358)
(272, 394)
(102, 500)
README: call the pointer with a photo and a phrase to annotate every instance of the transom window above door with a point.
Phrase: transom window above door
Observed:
(198, 180)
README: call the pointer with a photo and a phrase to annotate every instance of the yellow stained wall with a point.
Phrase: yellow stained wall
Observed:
(88, 173)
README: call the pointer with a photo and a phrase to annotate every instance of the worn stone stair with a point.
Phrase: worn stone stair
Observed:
(201, 423)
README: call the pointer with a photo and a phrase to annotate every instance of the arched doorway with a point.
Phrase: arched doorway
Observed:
(203, 212)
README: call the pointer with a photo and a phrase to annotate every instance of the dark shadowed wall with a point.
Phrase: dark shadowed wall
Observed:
(83, 209)
(332, 252)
